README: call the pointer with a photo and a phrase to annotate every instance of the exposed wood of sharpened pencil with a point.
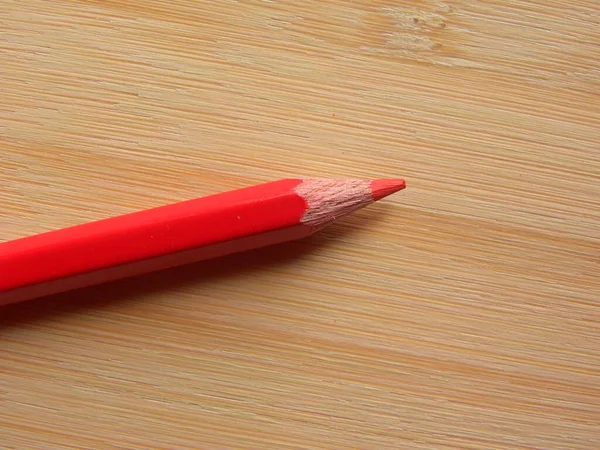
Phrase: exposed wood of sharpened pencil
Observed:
(178, 234)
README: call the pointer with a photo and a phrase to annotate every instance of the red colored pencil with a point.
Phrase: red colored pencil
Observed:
(178, 234)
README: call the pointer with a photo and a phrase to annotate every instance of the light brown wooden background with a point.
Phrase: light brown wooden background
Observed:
(462, 313)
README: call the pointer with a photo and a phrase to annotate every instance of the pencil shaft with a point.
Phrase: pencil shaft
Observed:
(143, 266)
(144, 235)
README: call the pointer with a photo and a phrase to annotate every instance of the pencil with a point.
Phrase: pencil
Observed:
(177, 234)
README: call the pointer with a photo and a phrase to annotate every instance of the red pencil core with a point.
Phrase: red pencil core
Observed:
(383, 188)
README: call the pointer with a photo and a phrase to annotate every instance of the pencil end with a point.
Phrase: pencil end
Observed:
(329, 199)
(385, 187)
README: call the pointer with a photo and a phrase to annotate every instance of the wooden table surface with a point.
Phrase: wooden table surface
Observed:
(461, 313)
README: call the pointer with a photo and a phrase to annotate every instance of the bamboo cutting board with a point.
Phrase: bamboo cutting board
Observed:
(462, 313)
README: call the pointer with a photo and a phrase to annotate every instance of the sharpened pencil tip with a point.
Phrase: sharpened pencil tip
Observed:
(383, 188)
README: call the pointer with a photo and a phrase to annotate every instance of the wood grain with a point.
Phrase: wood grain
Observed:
(462, 313)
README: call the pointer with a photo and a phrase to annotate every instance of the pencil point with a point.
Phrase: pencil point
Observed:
(383, 188)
